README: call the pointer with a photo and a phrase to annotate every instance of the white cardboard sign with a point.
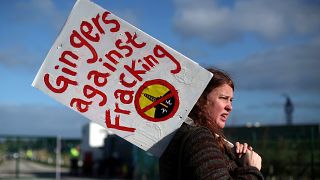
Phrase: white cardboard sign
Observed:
(120, 77)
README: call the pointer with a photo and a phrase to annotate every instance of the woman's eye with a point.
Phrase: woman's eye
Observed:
(223, 97)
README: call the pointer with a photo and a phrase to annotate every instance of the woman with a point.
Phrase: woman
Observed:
(199, 150)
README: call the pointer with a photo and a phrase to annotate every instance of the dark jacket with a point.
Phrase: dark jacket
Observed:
(193, 153)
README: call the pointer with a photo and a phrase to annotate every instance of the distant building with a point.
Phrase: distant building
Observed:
(105, 154)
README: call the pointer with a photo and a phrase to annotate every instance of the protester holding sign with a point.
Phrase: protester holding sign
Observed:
(120, 77)
(199, 150)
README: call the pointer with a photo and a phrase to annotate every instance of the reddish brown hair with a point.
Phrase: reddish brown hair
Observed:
(198, 113)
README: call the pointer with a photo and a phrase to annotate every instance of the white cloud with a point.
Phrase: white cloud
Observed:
(38, 11)
(287, 68)
(270, 19)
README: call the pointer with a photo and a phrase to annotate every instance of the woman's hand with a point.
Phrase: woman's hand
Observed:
(251, 158)
(241, 149)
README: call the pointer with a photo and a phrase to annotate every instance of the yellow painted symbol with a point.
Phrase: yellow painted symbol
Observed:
(150, 95)
(156, 100)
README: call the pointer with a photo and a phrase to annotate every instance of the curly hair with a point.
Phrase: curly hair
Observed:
(198, 113)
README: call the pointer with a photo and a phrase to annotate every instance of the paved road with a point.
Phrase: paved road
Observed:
(28, 170)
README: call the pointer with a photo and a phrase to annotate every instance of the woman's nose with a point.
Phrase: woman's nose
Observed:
(229, 107)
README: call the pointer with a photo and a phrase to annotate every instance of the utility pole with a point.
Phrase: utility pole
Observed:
(58, 158)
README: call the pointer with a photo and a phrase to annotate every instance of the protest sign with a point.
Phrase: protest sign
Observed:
(120, 77)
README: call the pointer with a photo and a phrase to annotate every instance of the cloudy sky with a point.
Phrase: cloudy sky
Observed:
(271, 48)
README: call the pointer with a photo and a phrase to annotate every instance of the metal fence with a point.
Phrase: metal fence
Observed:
(288, 152)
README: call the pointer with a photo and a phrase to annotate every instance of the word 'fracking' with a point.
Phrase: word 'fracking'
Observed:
(133, 70)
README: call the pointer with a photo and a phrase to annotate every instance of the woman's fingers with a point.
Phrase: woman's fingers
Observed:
(239, 147)
(242, 148)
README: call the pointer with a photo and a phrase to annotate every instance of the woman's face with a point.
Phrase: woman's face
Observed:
(219, 104)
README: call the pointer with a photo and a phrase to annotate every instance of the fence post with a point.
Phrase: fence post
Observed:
(312, 154)
(17, 157)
